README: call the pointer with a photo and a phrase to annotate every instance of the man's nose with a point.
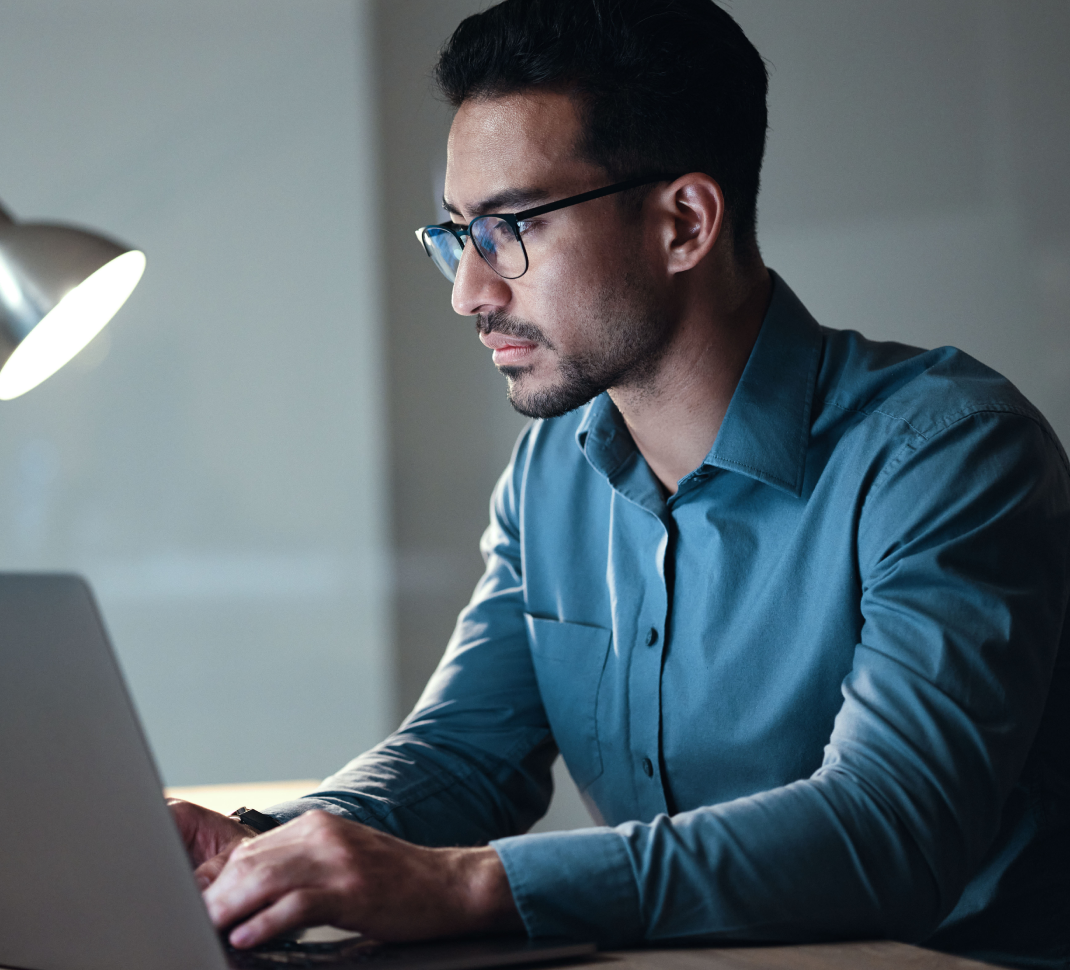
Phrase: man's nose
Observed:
(477, 288)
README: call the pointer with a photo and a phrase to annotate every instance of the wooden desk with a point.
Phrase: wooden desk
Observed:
(260, 794)
(823, 956)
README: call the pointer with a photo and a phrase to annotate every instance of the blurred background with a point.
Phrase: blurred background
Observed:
(274, 464)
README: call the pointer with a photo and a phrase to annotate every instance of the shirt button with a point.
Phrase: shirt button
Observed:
(652, 636)
(648, 768)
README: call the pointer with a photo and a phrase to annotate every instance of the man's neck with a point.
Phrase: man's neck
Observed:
(675, 418)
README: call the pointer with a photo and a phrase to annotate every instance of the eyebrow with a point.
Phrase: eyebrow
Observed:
(508, 201)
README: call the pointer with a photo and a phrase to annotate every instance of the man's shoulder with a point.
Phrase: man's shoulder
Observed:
(922, 391)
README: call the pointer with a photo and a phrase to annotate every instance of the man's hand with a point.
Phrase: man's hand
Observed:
(321, 869)
(207, 834)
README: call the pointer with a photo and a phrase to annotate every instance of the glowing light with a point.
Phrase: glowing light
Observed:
(71, 324)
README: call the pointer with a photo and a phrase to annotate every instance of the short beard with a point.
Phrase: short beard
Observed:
(632, 331)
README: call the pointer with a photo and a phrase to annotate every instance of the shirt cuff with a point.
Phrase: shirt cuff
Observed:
(287, 811)
(577, 884)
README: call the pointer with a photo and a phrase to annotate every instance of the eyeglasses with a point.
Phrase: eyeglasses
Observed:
(498, 237)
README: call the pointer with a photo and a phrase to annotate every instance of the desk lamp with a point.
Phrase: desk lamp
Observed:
(59, 286)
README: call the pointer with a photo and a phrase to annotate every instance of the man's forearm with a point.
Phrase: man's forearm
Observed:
(433, 786)
(781, 866)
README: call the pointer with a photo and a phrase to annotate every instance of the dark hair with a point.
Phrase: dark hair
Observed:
(662, 85)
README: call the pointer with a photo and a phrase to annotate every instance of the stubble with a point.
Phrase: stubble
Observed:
(628, 332)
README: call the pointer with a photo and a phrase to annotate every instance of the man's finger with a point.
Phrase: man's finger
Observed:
(258, 872)
(207, 872)
(204, 832)
(303, 907)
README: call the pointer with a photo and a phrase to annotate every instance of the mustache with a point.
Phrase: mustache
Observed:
(507, 326)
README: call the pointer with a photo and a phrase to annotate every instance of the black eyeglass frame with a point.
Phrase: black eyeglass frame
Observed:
(513, 219)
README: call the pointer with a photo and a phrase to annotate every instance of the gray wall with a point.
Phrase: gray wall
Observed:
(276, 466)
(916, 187)
(215, 460)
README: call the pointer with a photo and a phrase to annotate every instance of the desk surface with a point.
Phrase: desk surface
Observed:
(259, 794)
(823, 956)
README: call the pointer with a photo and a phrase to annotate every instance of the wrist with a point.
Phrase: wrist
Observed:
(489, 899)
(255, 823)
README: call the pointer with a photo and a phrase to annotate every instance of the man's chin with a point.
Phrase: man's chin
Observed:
(544, 402)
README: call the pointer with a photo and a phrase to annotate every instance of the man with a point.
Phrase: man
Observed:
(791, 604)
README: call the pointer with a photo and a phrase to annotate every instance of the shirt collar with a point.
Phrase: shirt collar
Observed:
(607, 444)
(767, 426)
(766, 429)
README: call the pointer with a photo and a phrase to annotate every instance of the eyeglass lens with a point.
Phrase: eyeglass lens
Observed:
(499, 246)
(493, 237)
(444, 248)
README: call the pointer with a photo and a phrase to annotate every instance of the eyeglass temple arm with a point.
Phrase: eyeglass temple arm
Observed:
(595, 194)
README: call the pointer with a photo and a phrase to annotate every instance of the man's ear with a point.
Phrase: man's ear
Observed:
(692, 215)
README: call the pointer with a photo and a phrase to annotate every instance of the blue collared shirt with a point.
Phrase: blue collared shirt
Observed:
(821, 691)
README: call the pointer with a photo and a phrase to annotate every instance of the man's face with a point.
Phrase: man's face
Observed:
(591, 312)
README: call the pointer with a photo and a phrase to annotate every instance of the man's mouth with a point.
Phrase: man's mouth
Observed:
(508, 351)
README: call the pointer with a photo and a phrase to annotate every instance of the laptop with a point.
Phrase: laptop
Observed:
(93, 873)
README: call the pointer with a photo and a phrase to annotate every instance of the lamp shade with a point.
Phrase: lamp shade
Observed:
(59, 286)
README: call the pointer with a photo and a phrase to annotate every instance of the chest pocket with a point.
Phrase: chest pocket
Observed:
(569, 659)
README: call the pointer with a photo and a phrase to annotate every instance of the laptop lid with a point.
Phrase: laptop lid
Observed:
(93, 874)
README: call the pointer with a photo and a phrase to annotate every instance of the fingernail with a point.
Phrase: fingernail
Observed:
(240, 937)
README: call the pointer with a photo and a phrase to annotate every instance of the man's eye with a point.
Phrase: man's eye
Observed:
(525, 225)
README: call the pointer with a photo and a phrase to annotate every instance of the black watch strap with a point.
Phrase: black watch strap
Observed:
(257, 821)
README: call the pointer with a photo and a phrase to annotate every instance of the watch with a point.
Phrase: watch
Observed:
(257, 821)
